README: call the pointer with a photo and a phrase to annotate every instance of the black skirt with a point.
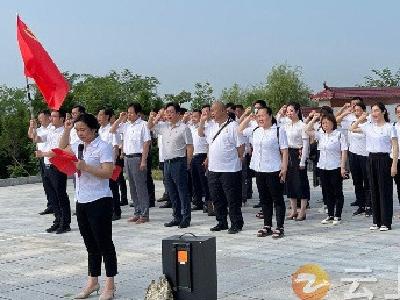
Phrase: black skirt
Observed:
(297, 185)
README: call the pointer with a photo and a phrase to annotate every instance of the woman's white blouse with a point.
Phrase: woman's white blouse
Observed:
(266, 155)
(378, 138)
(89, 187)
(330, 146)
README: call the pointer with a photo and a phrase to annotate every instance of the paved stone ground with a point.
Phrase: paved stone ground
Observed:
(37, 265)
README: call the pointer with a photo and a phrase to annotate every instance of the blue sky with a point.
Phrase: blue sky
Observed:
(220, 41)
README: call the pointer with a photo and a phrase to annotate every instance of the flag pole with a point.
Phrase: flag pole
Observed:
(29, 98)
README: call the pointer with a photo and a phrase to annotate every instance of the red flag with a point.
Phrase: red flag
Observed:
(117, 170)
(39, 66)
(64, 161)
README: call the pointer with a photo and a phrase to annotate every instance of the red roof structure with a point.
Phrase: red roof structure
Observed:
(338, 96)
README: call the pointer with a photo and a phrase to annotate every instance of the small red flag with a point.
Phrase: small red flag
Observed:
(64, 161)
(39, 66)
(117, 170)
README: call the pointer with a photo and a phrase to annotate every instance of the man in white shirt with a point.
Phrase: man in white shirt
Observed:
(105, 134)
(200, 149)
(54, 180)
(225, 150)
(136, 144)
(178, 151)
(45, 125)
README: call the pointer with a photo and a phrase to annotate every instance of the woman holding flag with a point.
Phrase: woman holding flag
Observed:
(94, 203)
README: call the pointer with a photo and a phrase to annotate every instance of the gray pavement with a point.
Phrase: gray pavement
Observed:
(37, 265)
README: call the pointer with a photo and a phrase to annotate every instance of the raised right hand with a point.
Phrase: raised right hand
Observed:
(69, 124)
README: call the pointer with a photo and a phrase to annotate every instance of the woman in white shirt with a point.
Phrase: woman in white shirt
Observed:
(381, 140)
(397, 126)
(358, 159)
(269, 161)
(331, 163)
(297, 185)
(94, 204)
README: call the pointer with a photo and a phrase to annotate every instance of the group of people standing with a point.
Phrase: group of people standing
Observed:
(208, 158)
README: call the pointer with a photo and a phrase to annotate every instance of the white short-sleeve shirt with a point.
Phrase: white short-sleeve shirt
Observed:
(199, 142)
(174, 139)
(134, 136)
(266, 156)
(222, 151)
(331, 146)
(105, 134)
(357, 143)
(51, 140)
(90, 188)
(378, 138)
(42, 131)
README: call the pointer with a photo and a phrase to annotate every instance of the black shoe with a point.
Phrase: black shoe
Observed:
(197, 207)
(166, 205)
(123, 203)
(116, 217)
(359, 211)
(233, 230)
(47, 211)
(368, 212)
(355, 203)
(63, 229)
(184, 224)
(172, 223)
(53, 228)
(163, 198)
(258, 205)
(220, 226)
(131, 205)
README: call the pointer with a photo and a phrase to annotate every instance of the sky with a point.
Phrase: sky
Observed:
(182, 42)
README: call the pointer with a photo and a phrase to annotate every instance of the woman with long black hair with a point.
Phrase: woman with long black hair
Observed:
(297, 185)
(94, 203)
(332, 160)
(269, 161)
(381, 140)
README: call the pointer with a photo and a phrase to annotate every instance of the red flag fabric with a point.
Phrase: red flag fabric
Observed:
(117, 170)
(64, 161)
(39, 66)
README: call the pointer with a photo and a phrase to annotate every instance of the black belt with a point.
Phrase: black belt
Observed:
(133, 155)
(173, 159)
(200, 154)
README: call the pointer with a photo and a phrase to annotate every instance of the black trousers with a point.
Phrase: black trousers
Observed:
(360, 175)
(199, 179)
(161, 167)
(397, 181)
(42, 169)
(226, 193)
(332, 182)
(247, 181)
(95, 226)
(270, 190)
(55, 184)
(116, 197)
(381, 188)
(150, 184)
(121, 181)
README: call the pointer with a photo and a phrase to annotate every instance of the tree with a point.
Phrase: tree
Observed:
(383, 78)
(179, 98)
(233, 94)
(203, 94)
(285, 84)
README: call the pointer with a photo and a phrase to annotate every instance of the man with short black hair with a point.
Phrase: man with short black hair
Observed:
(136, 144)
(55, 181)
(178, 152)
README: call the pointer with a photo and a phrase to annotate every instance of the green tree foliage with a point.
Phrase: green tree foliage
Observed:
(203, 94)
(282, 85)
(383, 78)
(16, 151)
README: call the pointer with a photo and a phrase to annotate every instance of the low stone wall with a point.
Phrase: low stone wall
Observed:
(20, 180)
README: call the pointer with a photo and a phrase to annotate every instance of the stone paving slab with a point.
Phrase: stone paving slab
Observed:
(37, 265)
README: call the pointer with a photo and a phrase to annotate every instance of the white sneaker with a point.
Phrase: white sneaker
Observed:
(336, 221)
(374, 227)
(383, 228)
(327, 220)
